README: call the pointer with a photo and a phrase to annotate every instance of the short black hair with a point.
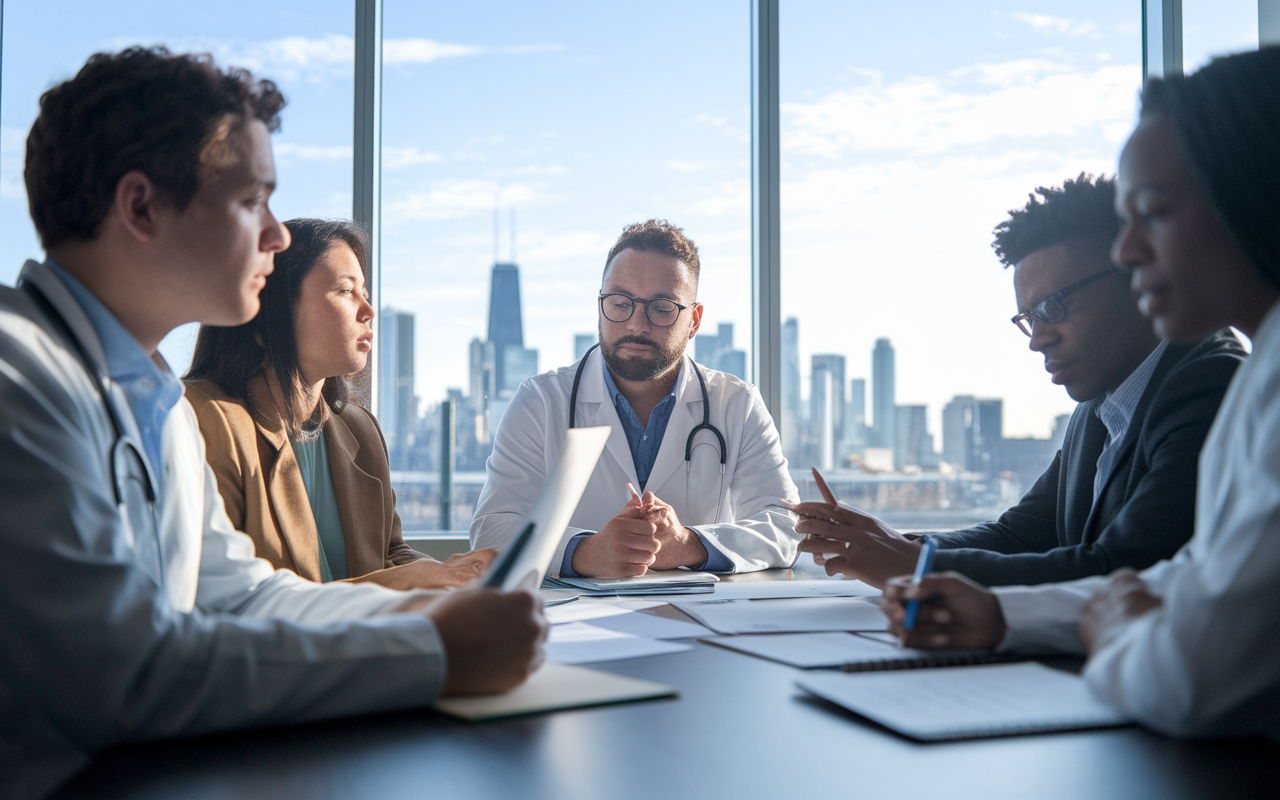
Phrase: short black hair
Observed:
(145, 109)
(658, 236)
(1082, 209)
(229, 357)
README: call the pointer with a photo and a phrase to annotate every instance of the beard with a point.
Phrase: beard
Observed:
(638, 368)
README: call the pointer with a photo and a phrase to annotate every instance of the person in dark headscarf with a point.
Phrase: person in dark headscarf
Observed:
(1190, 646)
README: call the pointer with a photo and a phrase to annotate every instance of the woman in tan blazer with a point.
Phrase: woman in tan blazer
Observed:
(302, 469)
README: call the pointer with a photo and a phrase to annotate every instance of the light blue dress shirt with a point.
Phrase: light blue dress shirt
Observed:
(313, 463)
(645, 441)
(1116, 412)
(152, 391)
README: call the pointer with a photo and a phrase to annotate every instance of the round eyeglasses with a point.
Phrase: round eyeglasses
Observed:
(619, 308)
(1051, 310)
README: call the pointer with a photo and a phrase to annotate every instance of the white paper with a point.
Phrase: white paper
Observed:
(585, 608)
(582, 643)
(796, 615)
(957, 702)
(637, 623)
(765, 590)
(807, 650)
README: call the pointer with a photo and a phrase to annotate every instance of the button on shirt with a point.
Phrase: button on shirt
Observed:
(1116, 412)
(152, 392)
(644, 441)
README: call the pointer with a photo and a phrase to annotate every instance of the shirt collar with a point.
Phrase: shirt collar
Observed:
(615, 393)
(126, 362)
(1121, 403)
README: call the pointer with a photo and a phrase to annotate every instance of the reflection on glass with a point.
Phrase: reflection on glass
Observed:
(518, 141)
(906, 138)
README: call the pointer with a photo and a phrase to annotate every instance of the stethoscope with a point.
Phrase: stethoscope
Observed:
(131, 477)
(689, 443)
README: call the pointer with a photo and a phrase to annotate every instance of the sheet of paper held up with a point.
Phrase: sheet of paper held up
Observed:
(796, 615)
(552, 688)
(774, 590)
(581, 643)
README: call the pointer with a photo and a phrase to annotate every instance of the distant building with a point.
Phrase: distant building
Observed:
(397, 407)
(826, 406)
(913, 446)
(883, 394)
(520, 363)
(1026, 459)
(792, 414)
(506, 328)
(582, 342)
(716, 351)
(855, 415)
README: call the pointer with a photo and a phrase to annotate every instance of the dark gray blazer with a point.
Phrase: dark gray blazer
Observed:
(1146, 509)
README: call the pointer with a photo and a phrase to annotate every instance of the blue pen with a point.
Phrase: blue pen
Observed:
(923, 565)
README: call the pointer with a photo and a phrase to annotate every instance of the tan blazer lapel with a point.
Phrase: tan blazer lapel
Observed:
(360, 501)
(285, 489)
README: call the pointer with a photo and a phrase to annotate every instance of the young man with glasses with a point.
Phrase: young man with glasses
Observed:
(698, 443)
(1121, 492)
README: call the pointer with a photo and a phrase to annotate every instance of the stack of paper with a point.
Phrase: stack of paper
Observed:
(787, 616)
(607, 629)
(672, 581)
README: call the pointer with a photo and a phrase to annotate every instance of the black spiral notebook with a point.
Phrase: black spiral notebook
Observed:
(932, 705)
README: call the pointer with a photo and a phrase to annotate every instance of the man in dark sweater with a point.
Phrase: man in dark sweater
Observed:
(1121, 491)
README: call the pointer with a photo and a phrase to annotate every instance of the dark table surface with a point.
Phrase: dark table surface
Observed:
(740, 729)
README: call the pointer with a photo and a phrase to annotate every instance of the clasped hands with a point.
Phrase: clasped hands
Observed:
(645, 535)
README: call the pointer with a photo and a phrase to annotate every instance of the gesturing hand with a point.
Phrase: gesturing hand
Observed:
(955, 613)
(854, 544)
(1123, 599)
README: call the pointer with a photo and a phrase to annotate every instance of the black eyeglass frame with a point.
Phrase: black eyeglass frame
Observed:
(635, 301)
(1050, 310)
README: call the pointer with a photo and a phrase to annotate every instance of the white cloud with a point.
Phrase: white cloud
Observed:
(398, 157)
(1043, 23)
(13, 148)
(691, 166)
(322, 57)
(451, 198)
(311, 152)
(726, 198)
(986, 103)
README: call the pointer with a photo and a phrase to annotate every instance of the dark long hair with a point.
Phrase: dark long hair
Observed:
(230, 357)
(1227, 117)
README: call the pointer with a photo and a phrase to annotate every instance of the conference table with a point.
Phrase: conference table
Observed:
(739, 729)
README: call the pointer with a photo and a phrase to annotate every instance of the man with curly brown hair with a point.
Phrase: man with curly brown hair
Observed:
(698, 443)
(1121, 492)
(130, 608)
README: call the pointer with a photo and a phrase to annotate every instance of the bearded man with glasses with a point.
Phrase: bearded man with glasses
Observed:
(1121, 491)
(699, 444)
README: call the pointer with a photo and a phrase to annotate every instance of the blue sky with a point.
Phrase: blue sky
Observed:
(909, 130)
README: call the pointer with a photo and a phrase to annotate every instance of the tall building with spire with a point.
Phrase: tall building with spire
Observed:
(506, 327)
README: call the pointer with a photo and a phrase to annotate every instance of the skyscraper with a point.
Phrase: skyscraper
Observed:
(582, 342)
(884, 394)
(913, 445)
(826, 405)
(716, 351)
(988, 432)
(957, 432)
(506, 328)
(855, 416)
(792, 419)
(396, 405)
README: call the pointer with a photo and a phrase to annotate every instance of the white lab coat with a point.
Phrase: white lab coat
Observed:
(1207, 661)
(735, 511)
(94, 650)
